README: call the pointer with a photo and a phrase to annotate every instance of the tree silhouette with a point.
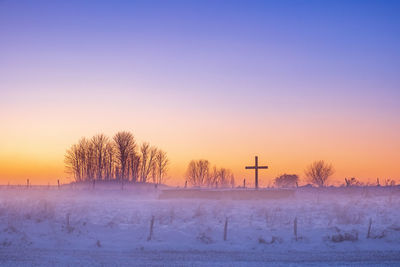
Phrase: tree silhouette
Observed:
(319, 172)
(109, 161)
(99, 143)
(86, 156)
(226, 178)
(287, 180)
(198, 172)
(134, 164)
(161, 165)
(103, 159)
(148, 155)
(72, 162)
(125, 145)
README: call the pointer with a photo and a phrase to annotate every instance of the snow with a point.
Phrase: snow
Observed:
(79, 225)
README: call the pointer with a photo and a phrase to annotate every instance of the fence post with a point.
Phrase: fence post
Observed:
(369, 228)
(151, 228)
(226, 229)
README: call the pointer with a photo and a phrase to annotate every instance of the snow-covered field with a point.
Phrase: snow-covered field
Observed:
(86, 226)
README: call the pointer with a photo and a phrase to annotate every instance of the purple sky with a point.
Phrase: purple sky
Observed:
(221, 72)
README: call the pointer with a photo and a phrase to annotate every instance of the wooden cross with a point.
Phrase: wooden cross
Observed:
(256, 167)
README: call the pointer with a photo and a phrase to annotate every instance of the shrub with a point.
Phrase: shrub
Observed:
(352, 182)
(287, 180)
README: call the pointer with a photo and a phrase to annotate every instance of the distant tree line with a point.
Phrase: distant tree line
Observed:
(120, 158)
(199, 173)
(317, 173)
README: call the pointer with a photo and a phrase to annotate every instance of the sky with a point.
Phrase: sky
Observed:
(289, 81)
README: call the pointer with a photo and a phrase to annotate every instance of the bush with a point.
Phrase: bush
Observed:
(352, 182)
(287, 180)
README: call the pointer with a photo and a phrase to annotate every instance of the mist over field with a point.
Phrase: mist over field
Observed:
(136, 225)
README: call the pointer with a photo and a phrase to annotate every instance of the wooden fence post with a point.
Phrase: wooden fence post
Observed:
(369, 228)
(67, 219)
(151, 228)
(68, 225)
(226, 229)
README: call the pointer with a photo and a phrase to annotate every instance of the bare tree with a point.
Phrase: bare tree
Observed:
(125, 145)
(80, 160)
(134, 164)
(153, 173)
(319, 172)
(161, 163)
(148, 155)
(287, 180)
(83, 161)
(198, 172)
(225, 177)
(86, 158)
(99, 143)
(191, 173)
(109, 161)
(73, 163)
(213, 177)
(144, 151)
(232, 181)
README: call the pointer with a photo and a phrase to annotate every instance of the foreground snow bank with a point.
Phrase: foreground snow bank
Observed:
(99, 219)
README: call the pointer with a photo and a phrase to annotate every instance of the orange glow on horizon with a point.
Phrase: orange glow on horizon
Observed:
(283, 152)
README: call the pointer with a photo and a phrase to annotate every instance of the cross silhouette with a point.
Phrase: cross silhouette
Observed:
(256, 167)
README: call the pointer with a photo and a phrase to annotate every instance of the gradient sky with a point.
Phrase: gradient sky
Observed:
(289, 81)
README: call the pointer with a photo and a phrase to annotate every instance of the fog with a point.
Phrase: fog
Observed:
(143, 221)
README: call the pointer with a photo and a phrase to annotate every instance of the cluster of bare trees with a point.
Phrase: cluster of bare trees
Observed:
(200, 173)
(119, 158)
(317, 173)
